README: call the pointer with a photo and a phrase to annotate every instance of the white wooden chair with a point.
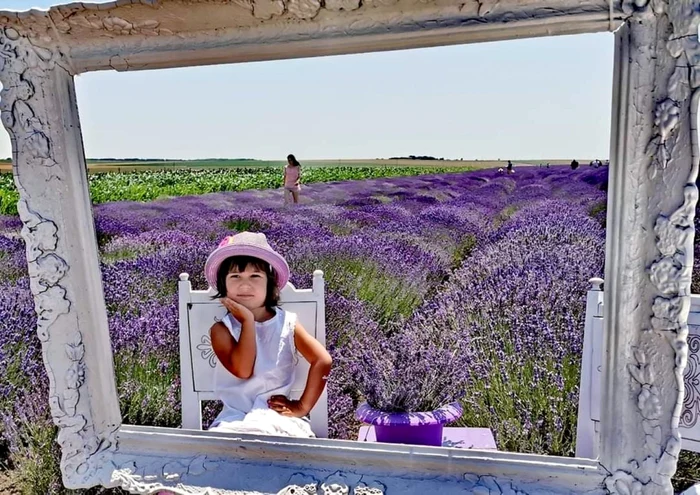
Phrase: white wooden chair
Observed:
(198, 312)
(588, 425)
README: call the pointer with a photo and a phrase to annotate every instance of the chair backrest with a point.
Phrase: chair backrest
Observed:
(587, 430)
(198, 312)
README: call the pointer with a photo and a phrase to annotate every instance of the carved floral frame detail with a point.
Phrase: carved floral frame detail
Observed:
(649, 257)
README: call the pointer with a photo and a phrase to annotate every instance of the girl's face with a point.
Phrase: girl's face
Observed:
(248, 287)
(289, 161)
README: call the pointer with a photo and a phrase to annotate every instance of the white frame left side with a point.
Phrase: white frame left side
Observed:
(652, 199)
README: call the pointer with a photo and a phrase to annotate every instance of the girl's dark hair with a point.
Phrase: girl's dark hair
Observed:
(272, 296)
(294, 161)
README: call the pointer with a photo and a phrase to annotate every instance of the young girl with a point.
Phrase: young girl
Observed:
(292, 179)
(256, 343)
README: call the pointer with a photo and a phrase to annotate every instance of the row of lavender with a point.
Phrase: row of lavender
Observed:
(497, 264)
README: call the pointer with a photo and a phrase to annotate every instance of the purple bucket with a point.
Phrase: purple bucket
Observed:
(416, 428)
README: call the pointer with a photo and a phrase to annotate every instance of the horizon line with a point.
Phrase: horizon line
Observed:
(330, 159)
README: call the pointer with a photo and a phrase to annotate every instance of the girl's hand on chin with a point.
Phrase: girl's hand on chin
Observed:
(239, 312)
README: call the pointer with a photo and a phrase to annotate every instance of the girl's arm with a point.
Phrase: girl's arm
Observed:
(238, 357)
(299, 177)
(320, 362)
(284, 177)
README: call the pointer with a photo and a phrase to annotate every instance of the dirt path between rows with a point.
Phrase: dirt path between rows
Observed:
(7, 485)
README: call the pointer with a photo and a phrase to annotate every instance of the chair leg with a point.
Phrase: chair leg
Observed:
(191, 411)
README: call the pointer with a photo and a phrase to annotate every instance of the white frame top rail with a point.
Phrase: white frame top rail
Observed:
(649, 253)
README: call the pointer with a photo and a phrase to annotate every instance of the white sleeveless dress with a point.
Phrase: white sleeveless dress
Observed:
(245, 401)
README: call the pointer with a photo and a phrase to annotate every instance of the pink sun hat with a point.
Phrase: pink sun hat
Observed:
(246, 244)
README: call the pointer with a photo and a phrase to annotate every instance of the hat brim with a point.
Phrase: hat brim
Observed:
(277, 262)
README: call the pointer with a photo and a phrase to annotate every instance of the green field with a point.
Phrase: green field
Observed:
(165, 181)
(148, 180)
(125, 166)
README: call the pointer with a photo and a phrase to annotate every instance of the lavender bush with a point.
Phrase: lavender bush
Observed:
(418, 369)
(468, 285)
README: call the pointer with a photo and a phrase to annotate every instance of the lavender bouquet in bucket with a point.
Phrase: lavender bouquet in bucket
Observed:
(412, 381)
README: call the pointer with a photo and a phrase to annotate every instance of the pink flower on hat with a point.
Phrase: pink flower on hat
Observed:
(252, 244)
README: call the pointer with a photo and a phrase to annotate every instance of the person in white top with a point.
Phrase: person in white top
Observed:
(292, 179)
(257, 342)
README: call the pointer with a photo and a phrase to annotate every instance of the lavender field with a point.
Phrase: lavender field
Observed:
(501, 262)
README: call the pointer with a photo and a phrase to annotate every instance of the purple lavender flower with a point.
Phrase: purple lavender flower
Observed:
(465, 286)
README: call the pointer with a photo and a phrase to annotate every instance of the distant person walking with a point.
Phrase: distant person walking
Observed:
(574, 164)
(292, 180)
(509, 168)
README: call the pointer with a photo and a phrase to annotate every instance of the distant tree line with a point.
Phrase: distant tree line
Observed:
(169, 160)
(117, 160)
(415, 157)
(125, 160)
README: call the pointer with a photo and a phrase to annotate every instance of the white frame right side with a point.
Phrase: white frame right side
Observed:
(649, 254)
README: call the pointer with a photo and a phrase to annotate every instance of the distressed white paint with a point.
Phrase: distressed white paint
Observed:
(146, 34)
(649, 253)
(652, 197)
(199, 311)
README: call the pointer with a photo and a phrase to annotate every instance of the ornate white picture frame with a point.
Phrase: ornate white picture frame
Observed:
(649, 257)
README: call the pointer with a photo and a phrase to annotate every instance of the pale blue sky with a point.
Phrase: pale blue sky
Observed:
(524, 99)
